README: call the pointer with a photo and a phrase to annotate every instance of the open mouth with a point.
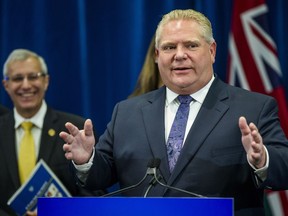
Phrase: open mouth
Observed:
(181, 69)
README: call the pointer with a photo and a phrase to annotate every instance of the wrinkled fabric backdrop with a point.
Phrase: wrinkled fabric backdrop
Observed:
(95, 49)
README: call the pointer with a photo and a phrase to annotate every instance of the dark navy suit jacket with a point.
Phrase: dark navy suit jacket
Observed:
(212, 162)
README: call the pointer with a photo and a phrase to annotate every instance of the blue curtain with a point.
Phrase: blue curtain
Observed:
(95, 49)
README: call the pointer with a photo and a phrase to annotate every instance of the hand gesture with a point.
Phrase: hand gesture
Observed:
(79, 143)
(252, 142)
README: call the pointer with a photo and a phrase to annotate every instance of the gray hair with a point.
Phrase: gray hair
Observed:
(188, 14)
(21, 55)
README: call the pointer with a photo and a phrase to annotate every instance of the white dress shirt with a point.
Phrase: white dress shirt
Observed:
(172, 105)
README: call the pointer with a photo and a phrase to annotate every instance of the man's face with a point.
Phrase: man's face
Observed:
(184, 58)
(26, 86)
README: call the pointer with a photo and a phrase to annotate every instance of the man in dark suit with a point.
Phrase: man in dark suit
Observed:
(222, 155)
(26, 80)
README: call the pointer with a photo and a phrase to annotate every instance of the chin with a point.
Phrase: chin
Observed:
(28, 106)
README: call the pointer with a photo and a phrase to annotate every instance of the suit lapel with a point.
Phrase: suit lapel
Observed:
(48, 136)
(209, 115)
(8, 145)
(153, 117)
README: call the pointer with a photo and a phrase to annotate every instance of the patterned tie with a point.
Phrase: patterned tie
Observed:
(27, 157)
(177, 132)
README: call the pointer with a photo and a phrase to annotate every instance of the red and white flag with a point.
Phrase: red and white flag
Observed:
(253, 64)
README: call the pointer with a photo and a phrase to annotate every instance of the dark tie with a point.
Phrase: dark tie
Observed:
(177, 132)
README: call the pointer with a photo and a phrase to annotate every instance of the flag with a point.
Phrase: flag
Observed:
(253, 65)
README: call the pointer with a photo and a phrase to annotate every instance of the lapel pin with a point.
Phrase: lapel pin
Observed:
(51, 132)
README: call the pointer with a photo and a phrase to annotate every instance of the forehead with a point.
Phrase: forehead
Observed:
(30, 64)
(181, 29)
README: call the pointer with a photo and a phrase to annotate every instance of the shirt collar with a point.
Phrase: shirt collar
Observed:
(198, 96)
(37, 119)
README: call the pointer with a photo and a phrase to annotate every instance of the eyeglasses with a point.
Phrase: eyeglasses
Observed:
(32, 77)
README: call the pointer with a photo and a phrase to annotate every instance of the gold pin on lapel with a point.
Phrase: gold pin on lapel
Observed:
(51, 132)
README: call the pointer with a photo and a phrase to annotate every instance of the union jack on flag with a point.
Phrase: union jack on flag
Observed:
(253, 64)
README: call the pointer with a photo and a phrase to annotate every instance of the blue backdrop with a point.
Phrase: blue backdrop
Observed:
(95, 49)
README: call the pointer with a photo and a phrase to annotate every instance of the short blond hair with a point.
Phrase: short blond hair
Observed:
(187, 14)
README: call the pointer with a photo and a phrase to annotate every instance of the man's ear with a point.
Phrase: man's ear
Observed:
(156, 55)
(4, 83)
(213, 51)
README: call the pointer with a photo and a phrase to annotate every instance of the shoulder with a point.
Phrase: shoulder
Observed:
(3, 110)
(237, 93)
(247, 95)
(7, 118)
(145, 99)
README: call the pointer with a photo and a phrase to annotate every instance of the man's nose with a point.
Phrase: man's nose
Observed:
(180, 53)
(26, 82)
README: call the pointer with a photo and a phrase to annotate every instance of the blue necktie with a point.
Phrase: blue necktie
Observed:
(177, 132)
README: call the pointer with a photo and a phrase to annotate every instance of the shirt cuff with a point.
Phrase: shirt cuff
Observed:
(83, 169)
(262, 172)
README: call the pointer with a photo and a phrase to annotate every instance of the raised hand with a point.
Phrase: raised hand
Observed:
(79, 143)
(253, 144)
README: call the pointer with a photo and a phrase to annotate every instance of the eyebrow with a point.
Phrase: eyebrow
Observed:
(187, 41)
